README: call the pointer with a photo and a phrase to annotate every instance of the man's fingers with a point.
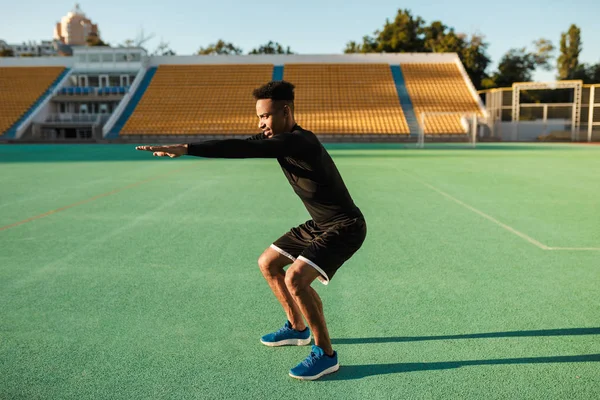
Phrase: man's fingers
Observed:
(152, 148)
(160, 151)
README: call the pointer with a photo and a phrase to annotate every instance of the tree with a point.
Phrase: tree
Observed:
(438, 38)
(271, 48)
(408, 33)
(517, 65)
(475, 59)
(587, 73)
(140, 40)
(544, 53)
(220, 47)
(570, 47)
(352, 47)
(368, 46)
(7, 53)
(471, 50)
(594, 73)
(163, 49)
(94, 40)
(402, 35)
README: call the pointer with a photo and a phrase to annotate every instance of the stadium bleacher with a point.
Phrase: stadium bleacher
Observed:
(330, 99)
(439, 87)
(199, 99)
(20, 88)
(381, 97)
(346, 98)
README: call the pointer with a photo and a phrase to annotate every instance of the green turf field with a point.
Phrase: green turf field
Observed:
(126, 276)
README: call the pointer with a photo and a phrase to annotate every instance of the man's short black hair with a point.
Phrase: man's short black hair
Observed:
(276, 91)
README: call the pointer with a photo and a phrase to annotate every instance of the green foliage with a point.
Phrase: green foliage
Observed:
(94, 40)
(587, 73)
(408, 33)
(163, 49)
(570, 47)
(544, 53)
(7, 53)
(221, 47)
(403, 35)
(271, 48)
(517, 65)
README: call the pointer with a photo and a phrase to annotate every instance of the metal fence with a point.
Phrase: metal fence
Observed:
(513, 120)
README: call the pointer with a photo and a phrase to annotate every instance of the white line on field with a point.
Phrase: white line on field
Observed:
(501, 224)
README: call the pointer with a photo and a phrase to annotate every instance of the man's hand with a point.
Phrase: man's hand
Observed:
(175, 150)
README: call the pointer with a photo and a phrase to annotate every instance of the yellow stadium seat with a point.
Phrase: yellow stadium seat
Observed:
(20, 87)
(439, 87)
(346, 98)
(199, 99)
(217, 99)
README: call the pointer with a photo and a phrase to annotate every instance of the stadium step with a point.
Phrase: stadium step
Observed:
(405, 101)
(133, 102)
(278, 73)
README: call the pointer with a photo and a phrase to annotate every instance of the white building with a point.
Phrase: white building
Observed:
(44, 48)
(75, 28)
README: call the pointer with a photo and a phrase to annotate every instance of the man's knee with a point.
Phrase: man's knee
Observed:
(270, 264)
(295, 282)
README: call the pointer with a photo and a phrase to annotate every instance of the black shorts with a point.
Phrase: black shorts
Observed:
(324, 248)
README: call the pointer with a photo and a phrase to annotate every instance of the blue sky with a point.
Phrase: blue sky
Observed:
(307, 26)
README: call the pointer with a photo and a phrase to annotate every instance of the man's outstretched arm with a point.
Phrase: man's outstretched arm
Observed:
(278, 146)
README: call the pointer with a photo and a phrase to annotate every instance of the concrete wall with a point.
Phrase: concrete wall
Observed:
(281, 59)
(275, 59)
(37, 62)
(527, 131)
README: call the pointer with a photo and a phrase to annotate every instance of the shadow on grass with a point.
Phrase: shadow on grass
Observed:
(399, 339)
(349, 372)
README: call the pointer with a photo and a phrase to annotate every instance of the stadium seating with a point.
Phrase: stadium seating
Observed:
(199, 99)
(20, 87)
(330, 99)
(439, 87)
(346, 98)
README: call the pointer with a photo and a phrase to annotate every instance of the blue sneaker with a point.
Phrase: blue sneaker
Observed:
(287, 336)
(315, 365)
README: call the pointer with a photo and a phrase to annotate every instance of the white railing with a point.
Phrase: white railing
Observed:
(90, 91)
(124, 101)
(74, 117)
(23, 125)
(593, 106)
(471, 88)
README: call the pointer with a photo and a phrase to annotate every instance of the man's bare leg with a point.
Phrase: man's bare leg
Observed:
(271, 265)
(298, 279)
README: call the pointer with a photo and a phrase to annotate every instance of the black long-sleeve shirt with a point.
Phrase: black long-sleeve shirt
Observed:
(304, 161)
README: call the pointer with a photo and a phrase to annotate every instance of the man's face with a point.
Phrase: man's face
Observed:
(272, 116)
